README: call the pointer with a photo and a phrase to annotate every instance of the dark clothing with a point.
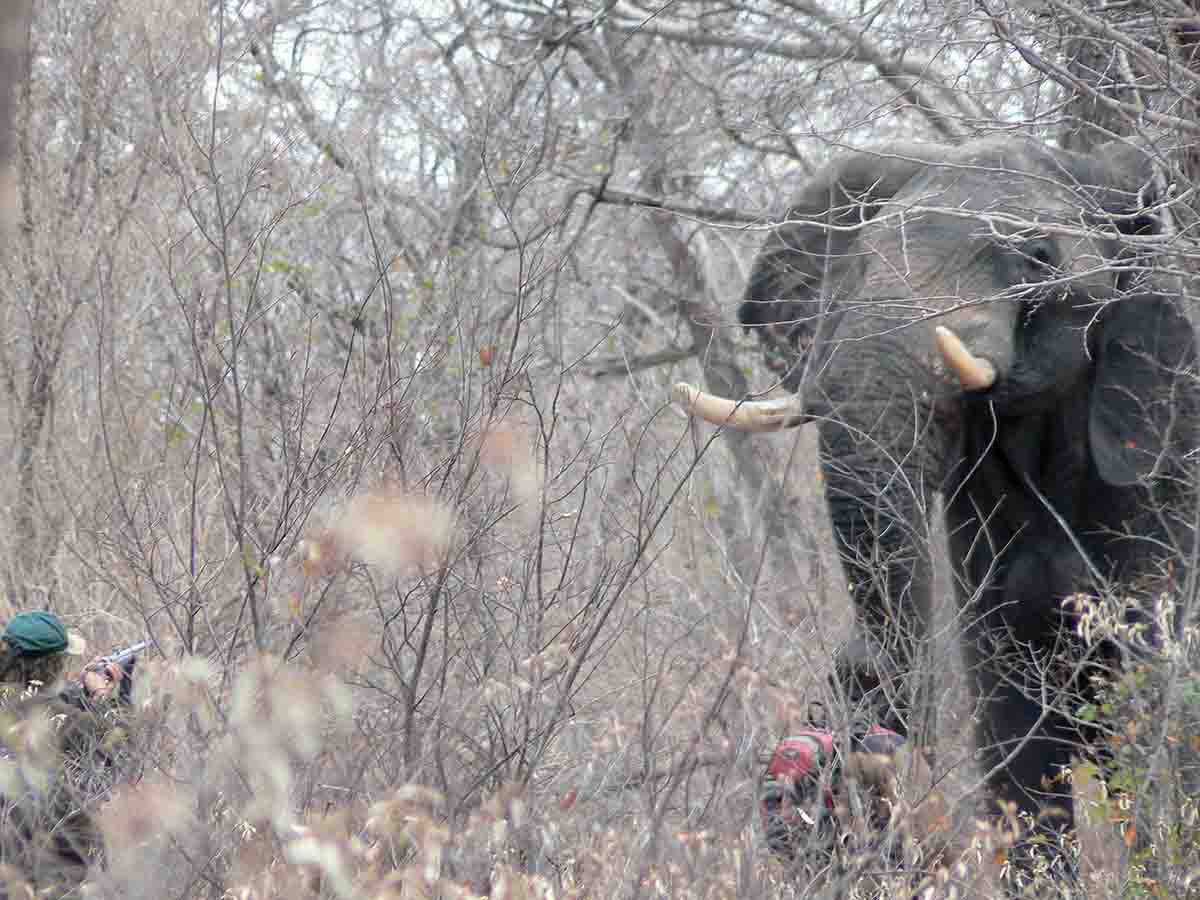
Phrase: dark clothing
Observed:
(58, 760)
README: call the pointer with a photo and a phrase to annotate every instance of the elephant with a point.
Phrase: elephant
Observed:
(984, 322)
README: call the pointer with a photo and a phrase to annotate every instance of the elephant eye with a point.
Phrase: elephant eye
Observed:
(1040, 255)
(1031, 260)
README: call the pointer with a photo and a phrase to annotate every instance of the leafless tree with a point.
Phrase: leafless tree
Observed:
(337, 343)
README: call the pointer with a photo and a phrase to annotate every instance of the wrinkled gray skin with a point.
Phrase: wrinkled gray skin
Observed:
(1082, 432)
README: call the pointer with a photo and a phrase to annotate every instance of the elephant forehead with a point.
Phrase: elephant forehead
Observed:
(1002, 174)
(934, 257)
(953, 197)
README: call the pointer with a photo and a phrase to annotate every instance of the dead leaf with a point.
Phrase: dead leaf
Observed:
(391, 530)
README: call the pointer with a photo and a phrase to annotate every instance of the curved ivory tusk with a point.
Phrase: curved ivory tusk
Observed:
(749, 415)
(974, 373)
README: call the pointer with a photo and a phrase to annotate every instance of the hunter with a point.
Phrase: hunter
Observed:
(61, 743)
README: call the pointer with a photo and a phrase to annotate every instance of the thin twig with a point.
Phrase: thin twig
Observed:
(627, 365)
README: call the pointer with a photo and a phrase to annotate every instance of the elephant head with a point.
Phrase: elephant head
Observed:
(917, 240)
(978, 321)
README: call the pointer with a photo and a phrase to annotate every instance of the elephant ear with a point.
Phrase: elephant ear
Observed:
(784, 301)
(1129, 191)
(1144, 388)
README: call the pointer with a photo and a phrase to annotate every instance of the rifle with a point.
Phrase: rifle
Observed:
(118, 657)
(124, 658)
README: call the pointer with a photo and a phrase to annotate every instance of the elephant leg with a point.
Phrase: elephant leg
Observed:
(1026, 750)
(1024, 744)
(1029, 674)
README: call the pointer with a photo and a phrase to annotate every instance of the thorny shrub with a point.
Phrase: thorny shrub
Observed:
(262, 786)
(1148, 779)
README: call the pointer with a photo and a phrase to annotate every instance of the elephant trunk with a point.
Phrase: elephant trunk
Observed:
(881, 469)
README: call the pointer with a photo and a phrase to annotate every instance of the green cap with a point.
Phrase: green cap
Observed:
(36, 633)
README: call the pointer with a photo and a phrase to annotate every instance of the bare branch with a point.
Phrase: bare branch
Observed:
(1065, 78)
(852, 47)
(627, 365)
(608, 195)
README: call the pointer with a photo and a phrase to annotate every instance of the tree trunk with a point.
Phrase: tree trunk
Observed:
(14, 44)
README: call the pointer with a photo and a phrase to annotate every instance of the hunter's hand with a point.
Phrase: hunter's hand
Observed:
(101, 683)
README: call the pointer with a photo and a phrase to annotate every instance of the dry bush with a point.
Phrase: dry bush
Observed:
(335, 347)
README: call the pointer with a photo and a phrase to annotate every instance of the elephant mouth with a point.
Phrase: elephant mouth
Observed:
(974, 372)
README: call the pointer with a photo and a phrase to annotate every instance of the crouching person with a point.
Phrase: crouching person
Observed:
(61, 749)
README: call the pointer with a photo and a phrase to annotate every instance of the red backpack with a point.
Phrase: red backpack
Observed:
(796, 792)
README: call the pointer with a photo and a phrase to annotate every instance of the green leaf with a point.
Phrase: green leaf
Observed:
(250, 560)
